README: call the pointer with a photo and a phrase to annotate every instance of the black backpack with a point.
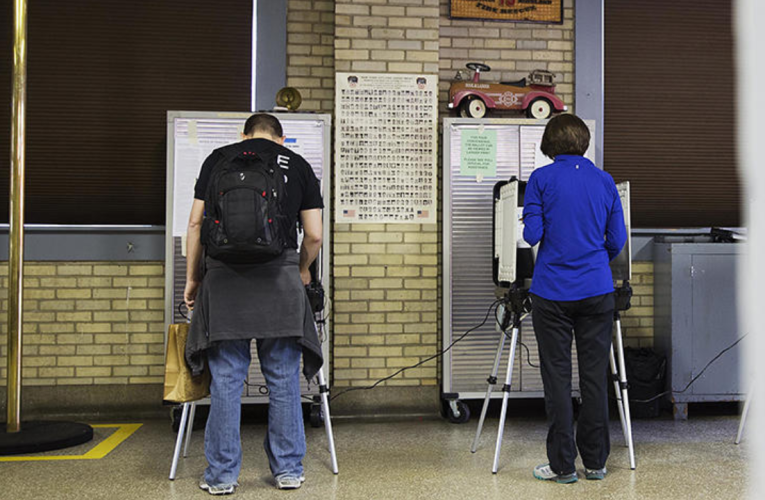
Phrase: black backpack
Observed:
(245, 219)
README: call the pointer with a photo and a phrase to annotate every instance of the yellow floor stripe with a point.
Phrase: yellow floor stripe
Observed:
(102, 449)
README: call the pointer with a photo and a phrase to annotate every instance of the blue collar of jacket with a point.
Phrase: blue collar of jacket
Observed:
(570, 158)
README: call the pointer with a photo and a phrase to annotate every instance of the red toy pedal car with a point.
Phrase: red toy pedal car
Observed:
(535, 94)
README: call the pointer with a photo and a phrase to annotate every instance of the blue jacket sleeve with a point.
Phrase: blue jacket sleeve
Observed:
(616, 233)
(533, 218)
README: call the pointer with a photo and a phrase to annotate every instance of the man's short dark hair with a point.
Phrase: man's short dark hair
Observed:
(264, 123)
(565, 135)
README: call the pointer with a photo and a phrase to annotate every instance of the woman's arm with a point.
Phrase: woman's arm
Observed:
(533, 218)
(616, 233)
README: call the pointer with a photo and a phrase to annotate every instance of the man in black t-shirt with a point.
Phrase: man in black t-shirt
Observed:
(266, 301)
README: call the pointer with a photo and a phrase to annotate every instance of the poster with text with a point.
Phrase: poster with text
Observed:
(385, 148)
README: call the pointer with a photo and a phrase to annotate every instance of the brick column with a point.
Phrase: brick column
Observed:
(386, 296)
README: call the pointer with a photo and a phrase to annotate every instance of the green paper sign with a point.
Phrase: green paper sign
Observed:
(479, 153)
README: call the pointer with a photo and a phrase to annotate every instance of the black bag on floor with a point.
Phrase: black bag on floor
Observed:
(646, 374)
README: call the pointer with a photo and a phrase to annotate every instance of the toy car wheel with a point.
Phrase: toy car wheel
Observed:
(473, 108)
(539, 108)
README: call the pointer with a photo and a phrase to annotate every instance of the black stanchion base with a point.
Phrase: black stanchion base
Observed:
(36, 437)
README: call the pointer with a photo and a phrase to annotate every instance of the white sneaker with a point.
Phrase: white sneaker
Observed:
(288, 482)
(545, 473)
(224, 489)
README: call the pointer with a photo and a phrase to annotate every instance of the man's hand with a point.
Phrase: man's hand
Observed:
(190, 293)
(305, 275)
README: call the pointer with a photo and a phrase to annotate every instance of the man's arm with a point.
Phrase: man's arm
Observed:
(533, 221)
(312, 234)
(193, 252)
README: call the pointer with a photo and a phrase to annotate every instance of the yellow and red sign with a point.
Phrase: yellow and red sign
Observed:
(538, 11)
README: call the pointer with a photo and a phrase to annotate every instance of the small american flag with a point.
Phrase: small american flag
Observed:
(423, 214)
(349, 213)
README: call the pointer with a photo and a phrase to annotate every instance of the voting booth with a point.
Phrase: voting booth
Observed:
(477, 154)
(191, 137)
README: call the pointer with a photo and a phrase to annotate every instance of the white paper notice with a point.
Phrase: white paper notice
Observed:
(385, 147)
(194, 141)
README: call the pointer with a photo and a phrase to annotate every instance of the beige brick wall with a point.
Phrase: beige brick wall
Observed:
(386, 275)
(637, 322)
(378, 36)
(512, 50)
(89, 323)
(310, 52)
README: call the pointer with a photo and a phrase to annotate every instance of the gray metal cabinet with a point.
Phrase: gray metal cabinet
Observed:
(696, 318)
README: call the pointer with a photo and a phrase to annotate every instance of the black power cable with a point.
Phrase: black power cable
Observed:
(694, 379)
(652, 399)
(437, 355)
(528, 351)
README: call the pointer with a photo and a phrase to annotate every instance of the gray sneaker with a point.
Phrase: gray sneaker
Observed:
(595, 474)
(222, 489)
(545, 473)
(288, 482)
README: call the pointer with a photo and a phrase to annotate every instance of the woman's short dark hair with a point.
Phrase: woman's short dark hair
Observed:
(565, 135)
(262, 122)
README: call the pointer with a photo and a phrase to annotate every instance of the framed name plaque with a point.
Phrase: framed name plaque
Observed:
(385, 148)
(532, 11)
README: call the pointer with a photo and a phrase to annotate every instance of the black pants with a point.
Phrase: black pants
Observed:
(591, 321)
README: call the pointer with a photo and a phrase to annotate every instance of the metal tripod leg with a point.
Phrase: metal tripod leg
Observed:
(617, 392)
(625, 403)
(179, 440)
(743, 417)
(324, 391)
(506, 391)
(492, 380)
(189, 428)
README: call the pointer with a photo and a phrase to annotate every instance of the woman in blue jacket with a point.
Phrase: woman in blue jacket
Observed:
(572, 209)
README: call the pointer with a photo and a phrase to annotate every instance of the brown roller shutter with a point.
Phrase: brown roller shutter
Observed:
(670, 125)
(101, 76)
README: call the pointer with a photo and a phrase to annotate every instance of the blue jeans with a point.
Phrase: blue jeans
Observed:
(229, 362)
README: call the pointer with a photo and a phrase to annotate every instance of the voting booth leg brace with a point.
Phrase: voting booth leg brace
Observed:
(187, 423)
(619, 374)
(506, 388)
(492, 380)
(515, 303)
(619, 371)
(324, 392)
(743, 417)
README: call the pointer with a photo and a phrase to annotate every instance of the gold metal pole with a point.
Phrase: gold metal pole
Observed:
(16, 232)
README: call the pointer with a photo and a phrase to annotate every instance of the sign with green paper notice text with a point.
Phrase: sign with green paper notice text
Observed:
(478, 153)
